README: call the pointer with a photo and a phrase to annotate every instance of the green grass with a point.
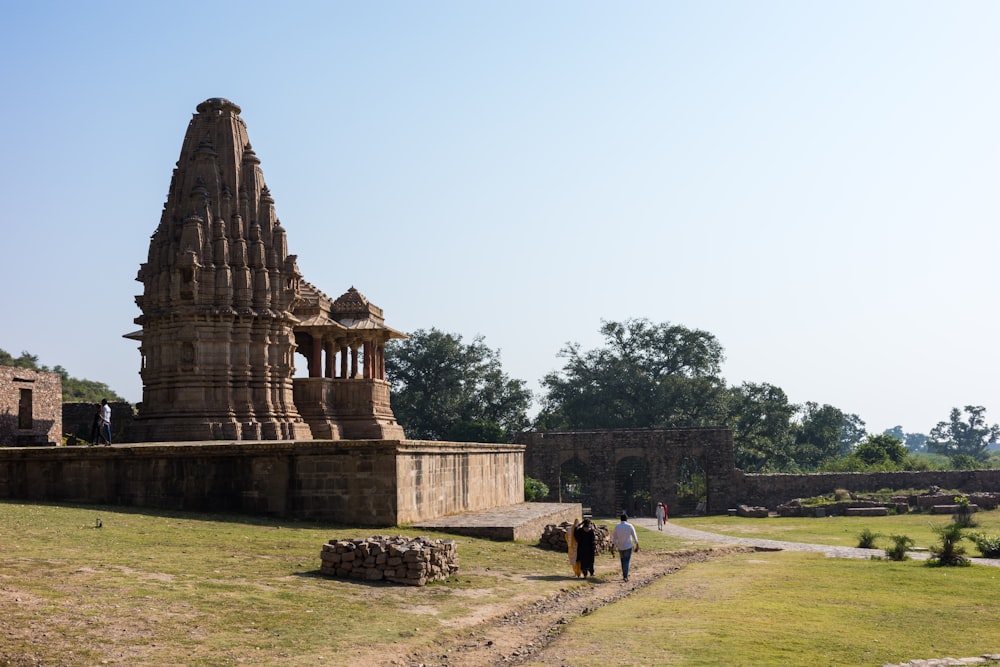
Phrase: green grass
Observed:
(840, 530)
(792, 608)
(167, 588)
(160, 588)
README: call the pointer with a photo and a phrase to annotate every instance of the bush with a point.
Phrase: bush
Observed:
(900, 545)
(535, 490)
(988, 545)
(866, 540)
(949, 552)
(841, 494)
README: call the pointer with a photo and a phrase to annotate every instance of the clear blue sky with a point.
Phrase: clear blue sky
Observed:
(814, 183)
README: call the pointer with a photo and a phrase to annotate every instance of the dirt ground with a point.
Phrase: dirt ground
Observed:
(513, 634)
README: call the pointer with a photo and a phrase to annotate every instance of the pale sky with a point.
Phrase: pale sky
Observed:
(813, 183)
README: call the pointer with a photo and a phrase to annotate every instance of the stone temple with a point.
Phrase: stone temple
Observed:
(225, 309)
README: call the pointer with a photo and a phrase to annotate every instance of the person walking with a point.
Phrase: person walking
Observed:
(105, 429)
(661, 514)
(574, 562)
(586, 547)
(625, 540)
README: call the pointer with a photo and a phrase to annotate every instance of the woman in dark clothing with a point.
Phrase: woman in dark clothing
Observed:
(585, 547)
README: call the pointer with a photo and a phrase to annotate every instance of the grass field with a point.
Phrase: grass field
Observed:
(162, 588)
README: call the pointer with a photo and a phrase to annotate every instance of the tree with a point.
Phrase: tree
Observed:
(881, 450)
(443, 389)
(971, 437)
(646, 374)
(761, 419)
(825, 433)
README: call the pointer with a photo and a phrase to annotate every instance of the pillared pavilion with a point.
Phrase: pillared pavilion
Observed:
(225, 309)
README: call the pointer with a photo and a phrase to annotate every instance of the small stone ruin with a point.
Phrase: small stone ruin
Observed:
(399, 559)
(554, 537)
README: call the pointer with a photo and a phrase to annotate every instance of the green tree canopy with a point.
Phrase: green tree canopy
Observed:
(970, 436)
(825, 433)
(73, 389)
(444, 389)
(761, 419)
(646, 374)
(883, 450)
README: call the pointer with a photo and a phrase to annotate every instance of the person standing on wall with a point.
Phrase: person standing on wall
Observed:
(625, 540)
(661, 514)
(105, 431)
(586, 547)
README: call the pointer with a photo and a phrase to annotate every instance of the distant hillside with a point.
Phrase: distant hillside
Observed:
(73, 390)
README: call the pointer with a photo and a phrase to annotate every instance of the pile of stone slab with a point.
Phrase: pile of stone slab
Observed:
(403, 560)
(554, 537)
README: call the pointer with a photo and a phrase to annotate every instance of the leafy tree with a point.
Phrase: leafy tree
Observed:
(646, 374)
(824, 433)
(761, 419)
(444, 389)
(971, 436)
(881, 450)
(914, 441)
(73, 389)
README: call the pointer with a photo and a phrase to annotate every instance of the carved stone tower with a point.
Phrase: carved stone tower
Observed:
(224, 308)
(219, 287)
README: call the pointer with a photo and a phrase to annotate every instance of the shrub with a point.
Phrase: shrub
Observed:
(949, 552)
(900, 545)
(535, 490)
(963, 516)
(841, 494)
(988, 545)
(866, 540)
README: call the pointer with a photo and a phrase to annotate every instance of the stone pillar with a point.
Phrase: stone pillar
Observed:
(330, 359)
(354, 361)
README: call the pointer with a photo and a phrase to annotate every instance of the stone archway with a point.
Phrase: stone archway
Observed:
(692, 487)
(614, 458)
(632, 486)
(574, 482)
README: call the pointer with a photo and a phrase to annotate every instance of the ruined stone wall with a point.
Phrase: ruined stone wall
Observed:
(353, 482)
(43, 426)
(663, 450)
(774, 489)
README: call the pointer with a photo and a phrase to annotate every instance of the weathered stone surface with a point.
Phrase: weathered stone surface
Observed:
(225, 309)
(422, 559)
(30, 407)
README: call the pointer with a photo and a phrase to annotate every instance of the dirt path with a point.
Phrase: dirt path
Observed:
(518, 633)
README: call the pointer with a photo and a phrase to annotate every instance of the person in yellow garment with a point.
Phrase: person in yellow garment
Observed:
(571, 544)
(586, 547)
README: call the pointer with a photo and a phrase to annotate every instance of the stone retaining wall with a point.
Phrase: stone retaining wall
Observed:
(771, 490)
(402, 560)
(357, 482)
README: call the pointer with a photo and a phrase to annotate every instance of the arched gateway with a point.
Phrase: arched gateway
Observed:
(633, 469)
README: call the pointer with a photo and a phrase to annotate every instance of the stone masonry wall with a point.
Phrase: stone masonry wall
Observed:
(45, 391)
(774, 489)
(403, 560)
(351, 482)
(662, 450)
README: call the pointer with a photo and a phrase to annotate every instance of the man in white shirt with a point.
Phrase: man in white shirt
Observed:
(625, 540)
(105, 429)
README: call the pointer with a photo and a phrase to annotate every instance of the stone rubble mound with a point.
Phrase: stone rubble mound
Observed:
(398, 559)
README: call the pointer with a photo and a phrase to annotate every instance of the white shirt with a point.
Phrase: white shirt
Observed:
(624, 536)
(106, 414)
